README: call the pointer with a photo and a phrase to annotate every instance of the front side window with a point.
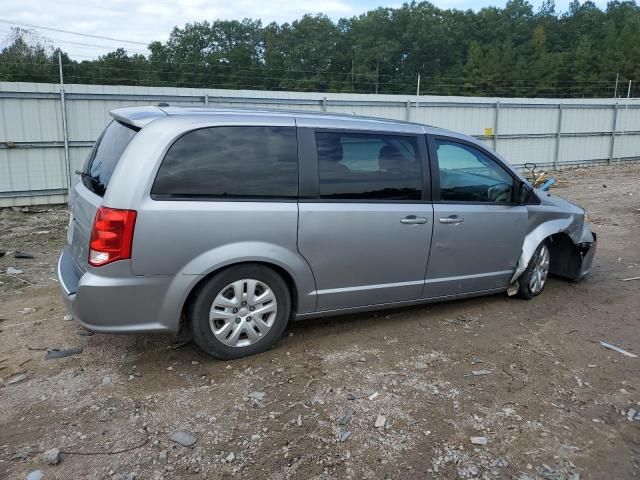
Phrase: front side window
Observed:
(469, 175)
(368, 166)
(231, 162)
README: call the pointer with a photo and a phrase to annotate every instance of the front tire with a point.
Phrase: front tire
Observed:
(534, 278)
(241, 311)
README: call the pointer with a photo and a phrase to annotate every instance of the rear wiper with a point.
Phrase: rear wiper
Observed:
(99, 187)
(87, 175)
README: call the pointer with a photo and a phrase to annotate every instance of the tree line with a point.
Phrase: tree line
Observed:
(510, 51)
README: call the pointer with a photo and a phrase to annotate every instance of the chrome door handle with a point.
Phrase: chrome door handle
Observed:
(413, 220)
(452, 219)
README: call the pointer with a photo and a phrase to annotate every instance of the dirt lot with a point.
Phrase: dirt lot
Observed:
(551, 402)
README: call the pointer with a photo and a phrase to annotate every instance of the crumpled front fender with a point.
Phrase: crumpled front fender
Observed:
(573, 256)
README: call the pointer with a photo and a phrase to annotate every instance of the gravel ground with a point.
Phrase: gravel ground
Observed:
(399, 394)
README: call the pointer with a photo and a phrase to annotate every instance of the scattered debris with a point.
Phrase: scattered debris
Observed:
(52, 456)
(479, 440)
(299, 420)
(344, 435)
(633, 414)
(477, 373)
(35, 475)
(618, 349)
(13, 271)
(347, 417)
(106, 380)
(19, 378)
(56, 353)
(183, 437)
(230, 458)
(373, 396)
(67, 317)
(381, 420)
(629, 279)
(27, 310)
(257, 396)
(19, 254)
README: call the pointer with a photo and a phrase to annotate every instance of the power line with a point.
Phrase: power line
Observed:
(28, 25)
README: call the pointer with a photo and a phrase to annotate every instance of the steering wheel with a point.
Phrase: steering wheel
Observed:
(500, 192)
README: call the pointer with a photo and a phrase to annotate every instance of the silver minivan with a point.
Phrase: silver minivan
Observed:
(227, 223)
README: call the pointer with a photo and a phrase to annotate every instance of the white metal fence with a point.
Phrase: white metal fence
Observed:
(38, 152)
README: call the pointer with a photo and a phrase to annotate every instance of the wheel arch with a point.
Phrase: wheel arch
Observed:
(285, 274)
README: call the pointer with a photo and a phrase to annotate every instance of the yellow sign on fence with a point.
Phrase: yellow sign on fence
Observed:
(488, 132)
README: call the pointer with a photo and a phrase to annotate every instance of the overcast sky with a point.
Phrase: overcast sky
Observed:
(148, 20)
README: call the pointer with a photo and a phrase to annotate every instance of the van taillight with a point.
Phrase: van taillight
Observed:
(111, 236)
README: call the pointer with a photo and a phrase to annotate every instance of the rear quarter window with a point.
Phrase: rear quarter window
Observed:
(105, 156)
(230, 162)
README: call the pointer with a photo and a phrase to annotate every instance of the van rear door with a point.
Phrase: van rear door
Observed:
(86, 195)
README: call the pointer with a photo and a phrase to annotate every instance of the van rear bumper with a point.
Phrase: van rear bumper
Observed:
(115, 301)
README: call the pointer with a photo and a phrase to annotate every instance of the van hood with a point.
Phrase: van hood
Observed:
(550, 200)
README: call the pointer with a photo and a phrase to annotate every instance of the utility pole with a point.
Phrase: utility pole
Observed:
(418, 93)
(626, 107)
(67, 164)
(615, 91)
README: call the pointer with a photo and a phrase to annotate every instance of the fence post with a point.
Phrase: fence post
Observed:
(206, 99)
(67, 163)
(556, 159)
(613, 132)
(408, 114)
(324, 104)
(496, 119)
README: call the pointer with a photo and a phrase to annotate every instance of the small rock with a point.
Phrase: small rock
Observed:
(255, 437)
(230, 458)
(381, 420)
(106, 380)
(183, 437)
(478, 373)
(169, 368)
(35, 475)
(15, 271)
(257, 396)
(22, 455)
(373, 396)
(52, 456)
(162, 455)
(67, 318)
(344, 435)
(299, 421)
(195, 362)
(479, 440)
(27, 310)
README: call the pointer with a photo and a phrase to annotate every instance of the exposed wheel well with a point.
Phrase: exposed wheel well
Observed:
(566, 258)
(184, 329)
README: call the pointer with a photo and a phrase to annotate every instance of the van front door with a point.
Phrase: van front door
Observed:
(367, 232)
(478, 228)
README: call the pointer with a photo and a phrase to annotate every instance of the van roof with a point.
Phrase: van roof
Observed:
(142, 115)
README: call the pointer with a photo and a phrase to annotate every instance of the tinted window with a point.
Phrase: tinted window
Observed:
(105, 156)
(231, 162)
(368, 166)
(469, 175)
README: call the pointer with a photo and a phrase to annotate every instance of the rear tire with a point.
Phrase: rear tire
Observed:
(533, 280)
(241, 311)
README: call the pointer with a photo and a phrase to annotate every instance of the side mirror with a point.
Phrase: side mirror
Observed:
(525, 193)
